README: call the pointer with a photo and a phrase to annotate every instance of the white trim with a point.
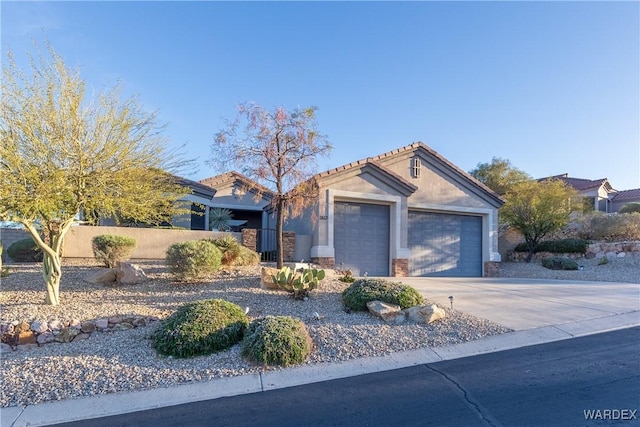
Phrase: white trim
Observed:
(323, 252)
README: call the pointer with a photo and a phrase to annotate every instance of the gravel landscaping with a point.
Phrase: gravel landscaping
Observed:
(117, 361)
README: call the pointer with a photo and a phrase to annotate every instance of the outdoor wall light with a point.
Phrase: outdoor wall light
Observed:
(451, 301)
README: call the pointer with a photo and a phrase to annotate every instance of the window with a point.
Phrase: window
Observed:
(415, 167)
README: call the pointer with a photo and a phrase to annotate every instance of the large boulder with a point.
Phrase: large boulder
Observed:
(104, 276)
(425, 313)
(266, 279)
(390, 313)
(129, 274)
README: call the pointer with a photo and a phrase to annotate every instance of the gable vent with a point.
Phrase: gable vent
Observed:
(416, 164)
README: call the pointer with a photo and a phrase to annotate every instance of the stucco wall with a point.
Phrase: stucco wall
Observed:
(152, 243)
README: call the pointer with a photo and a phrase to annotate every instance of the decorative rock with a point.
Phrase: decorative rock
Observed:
(129, 274)
(39, 326)
(75, 323)
(106, 276)
(123, 326)
(55, 325)
(622, 255)
(115, 320)
(26, 347)
(6, 328)
(28, 337)
(102, 323)
(22, 327)
(81, 336)
(611, 254)
(45, 338)
(139, 321)
(266, 281)
(88, 327)
(390, 313)
(67, 335)
(590, 255)
(425, 313)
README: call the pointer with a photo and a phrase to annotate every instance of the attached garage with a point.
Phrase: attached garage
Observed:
(444, 244)
(361, 238)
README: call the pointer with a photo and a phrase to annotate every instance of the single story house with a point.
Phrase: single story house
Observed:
(405, 212)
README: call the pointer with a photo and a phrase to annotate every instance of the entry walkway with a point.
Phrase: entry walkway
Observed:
(540, 311)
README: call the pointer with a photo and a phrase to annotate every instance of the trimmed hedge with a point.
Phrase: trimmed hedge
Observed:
(277, 340)
(110, 249)
(193, 259)
(25, 250)
(559, 263)
(630, 208)
(200, 328)
(362, 291)
(564, 246)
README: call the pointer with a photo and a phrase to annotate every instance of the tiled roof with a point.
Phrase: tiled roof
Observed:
(627, 195)
(411, 147)
(579, 184)
(231, 177)
(197, 187)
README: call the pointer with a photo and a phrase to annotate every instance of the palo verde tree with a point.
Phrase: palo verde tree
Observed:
(536, 209)
(63, 154)
(499, 175)
(279, 150)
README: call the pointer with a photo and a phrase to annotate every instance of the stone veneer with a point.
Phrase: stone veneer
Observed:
(400, 267)
(324, 262)
(491, 269)
(250, 239)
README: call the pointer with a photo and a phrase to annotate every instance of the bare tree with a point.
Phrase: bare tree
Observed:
(277, 149)
(63, 154)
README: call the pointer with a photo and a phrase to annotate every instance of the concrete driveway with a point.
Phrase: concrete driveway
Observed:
(530, 303)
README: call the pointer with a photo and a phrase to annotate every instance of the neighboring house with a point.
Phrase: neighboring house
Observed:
(623, 197)
(598, 195)
(406, 212)
(245, 199)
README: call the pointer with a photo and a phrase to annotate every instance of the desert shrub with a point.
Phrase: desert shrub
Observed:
(603, 261)
(108, 249)
(277, 340)
(630, 208)
(25, 250)
(199, 328)
(563, 246)
(356, 296)
(233, 253)
(193, 259)
(599, 226)
(559, 263)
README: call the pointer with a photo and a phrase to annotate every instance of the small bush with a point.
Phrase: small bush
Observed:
(603, 261)
(25, 250)
(193, 259)
(599, 226)
(559, 263)
(108, 249)
(200, 328)
(356, 296)
(233, 253)
(277, 340)
(564, 246)
(630, 208)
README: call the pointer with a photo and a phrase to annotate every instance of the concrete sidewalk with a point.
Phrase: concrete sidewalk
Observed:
(540, 311)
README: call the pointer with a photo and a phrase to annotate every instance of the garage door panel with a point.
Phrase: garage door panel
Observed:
(445, 244)
(361, 238)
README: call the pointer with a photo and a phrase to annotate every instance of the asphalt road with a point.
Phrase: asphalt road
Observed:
(556, 384)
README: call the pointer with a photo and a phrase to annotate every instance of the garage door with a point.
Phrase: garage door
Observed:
(445, 244)
(361, 238)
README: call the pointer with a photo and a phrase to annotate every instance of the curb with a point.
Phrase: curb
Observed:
(121, 403)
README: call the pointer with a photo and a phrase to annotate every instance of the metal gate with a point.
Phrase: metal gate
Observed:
(266, 244)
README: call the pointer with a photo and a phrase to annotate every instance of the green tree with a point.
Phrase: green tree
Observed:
(279, 150)
(499, 175)
(63, 154)
(536, 209)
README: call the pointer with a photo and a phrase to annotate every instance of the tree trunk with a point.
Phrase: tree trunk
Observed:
(279, 239)
(51, 274)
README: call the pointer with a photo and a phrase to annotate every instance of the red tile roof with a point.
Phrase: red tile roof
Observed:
(580, 184)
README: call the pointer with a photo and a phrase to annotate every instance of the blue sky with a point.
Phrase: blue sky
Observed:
(552, 86)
